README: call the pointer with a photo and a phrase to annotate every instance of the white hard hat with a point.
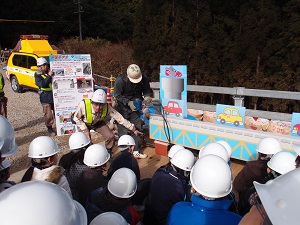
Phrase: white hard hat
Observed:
(296, 148)
(281, 198)
(183, 159)
(227, 146)
(78, 140)
(39, 202)
(174, 149)
(96, 155)
(109, 218)
(8, 145)
(282, 162)
(41, 61)
(269, 146)
(42, 147)
(211, 177)
(4, 164)
(125, 141)
(123, 183)
(99, 96)
(134, 73)
(214, 149)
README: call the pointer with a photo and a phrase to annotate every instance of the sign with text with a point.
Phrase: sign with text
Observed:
(71, 83)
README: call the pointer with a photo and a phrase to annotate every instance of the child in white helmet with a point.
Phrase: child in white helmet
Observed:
(43, 152)
(72, 162)
(95, 158)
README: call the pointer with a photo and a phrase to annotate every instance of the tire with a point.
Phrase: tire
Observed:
(15, 86)
(166, 112)
(298, 132)
(177, 114)
(222, 121)
(236, 123)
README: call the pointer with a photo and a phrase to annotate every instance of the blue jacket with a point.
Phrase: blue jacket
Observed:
(166, 189)
(203, 212)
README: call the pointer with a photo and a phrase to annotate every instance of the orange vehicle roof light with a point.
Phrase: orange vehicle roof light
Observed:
(34, 37)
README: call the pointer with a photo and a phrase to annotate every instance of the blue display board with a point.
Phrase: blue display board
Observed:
(229, 115)
(173, 90)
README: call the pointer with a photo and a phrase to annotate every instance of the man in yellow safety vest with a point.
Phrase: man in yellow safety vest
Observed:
(92, 114)
(43, 79)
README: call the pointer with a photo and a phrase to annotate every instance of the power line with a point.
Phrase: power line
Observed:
(28, 21)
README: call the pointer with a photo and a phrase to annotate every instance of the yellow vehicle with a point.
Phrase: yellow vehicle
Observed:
(21, 64)
(230, 115)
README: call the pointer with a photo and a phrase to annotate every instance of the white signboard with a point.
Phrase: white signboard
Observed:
(71, 83)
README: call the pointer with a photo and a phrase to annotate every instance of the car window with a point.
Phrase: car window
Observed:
(31, 61)
(19, 60)
(235, 113)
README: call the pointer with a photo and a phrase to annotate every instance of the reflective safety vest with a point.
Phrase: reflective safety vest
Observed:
(1, 83)
(50, 85)
(88, 112)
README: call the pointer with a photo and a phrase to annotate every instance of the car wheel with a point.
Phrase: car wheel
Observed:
(298, 132)
(222, 121)
(166, 112)
(177, 114)
(15, 85)
(236, 123)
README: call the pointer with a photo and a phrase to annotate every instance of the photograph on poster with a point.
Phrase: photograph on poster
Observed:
(68, 129)
(63, 84)
(84, 83)
(58, 72)
(87, 69)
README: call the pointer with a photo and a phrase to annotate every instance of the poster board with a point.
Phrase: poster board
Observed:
(71, 83)
(229, 115)
(173, 90)
(295, 126)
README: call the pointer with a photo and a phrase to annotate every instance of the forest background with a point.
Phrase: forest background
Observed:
(247, 43)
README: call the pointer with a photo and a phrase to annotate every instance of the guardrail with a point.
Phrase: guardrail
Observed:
(238, 94)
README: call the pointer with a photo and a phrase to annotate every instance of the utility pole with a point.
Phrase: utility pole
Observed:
(79, 19)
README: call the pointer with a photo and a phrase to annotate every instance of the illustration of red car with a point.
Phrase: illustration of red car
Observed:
(173, 108)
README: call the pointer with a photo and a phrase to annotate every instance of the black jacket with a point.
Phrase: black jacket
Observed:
(127, 160)
(126, 91)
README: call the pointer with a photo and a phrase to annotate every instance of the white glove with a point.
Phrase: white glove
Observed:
(132, 106)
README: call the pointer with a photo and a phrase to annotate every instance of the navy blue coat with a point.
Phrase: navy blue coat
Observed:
(45, 96)
(166, 189)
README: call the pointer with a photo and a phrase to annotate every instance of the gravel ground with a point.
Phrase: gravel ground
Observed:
(26, 115)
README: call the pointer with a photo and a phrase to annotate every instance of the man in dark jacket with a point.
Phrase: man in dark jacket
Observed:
(126, 145)
(3, 99)
(43, 79)
(131, 89)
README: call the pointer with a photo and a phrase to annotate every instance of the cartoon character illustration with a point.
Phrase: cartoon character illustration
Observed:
(296, 129)
(171, 72)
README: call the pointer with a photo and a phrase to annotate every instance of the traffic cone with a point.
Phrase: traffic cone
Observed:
(108, 97)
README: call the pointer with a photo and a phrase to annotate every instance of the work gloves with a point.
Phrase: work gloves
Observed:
(135, 105)
(132, 106)
(147, 100)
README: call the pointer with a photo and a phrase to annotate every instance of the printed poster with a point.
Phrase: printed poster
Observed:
(295, 126)
(72, 82)
(173, 90)
(229, 115)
